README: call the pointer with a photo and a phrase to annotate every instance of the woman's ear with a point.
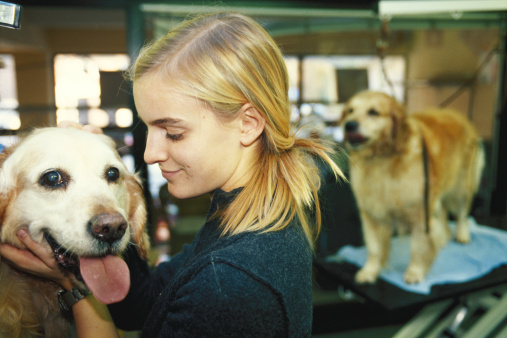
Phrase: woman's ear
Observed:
(252, 124)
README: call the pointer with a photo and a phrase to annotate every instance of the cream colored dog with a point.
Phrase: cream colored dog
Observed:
(389, 150)
(71, 190)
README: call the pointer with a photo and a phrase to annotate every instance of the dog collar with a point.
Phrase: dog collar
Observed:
(67, 298)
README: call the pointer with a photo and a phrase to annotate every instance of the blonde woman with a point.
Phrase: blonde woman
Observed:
(213, 94)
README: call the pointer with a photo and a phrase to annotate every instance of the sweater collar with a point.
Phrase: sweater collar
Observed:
(221, 199)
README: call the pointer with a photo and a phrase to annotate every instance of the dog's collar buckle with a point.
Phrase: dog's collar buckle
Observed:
(67, 298)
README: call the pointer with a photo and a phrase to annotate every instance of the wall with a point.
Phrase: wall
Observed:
(441, 62)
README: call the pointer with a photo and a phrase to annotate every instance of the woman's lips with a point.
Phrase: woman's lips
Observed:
(168, 174)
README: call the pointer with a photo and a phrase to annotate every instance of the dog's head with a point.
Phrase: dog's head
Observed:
(372, 120)
(71, 190)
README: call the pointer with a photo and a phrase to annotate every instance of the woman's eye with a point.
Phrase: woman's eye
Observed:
(53, 179)
(112, 174)
(175, 137)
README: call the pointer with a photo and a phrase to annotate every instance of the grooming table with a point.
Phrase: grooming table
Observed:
(473, 308)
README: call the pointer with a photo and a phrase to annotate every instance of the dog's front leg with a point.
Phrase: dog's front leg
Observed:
(377, 237)
(422, 255)
(425, 245)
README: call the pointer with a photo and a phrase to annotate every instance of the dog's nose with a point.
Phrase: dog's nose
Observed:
(108, 227)
(351, 126)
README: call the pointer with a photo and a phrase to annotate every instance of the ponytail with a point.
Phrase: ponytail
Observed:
(284, 185)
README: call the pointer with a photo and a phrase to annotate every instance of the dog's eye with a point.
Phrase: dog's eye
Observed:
(373, 112)
(112, 174)
(53, 179)
(350, 111)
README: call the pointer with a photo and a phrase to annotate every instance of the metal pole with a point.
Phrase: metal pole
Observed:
(135, 38)
(498, 203)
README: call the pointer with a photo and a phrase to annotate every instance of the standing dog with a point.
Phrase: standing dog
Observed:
(72, 192)
(409, 172)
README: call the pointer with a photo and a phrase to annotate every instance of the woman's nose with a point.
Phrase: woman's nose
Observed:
(155, 151)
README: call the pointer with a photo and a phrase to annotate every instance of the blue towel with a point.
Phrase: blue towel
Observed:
(456, 263)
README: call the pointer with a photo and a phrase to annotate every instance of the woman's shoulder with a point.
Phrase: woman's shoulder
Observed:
(269, 257)
(275, 256)
(290, 241)
(260, 254)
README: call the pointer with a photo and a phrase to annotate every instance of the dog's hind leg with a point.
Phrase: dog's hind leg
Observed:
(439, 230)
(377, 238)
(462, 231)
(465, 194)
(459, 206)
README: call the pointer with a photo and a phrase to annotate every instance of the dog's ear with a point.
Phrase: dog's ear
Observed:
(137, 215)
(4, 202)
(6, 197)
(398, 116)
(5, 192)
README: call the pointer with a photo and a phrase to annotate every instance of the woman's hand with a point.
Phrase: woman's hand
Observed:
(87, 127)
(36, 259)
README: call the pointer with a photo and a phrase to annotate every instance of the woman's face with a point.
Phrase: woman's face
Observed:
(196, 152)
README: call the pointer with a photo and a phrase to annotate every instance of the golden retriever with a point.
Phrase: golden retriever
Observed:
(71, 190)
(409, 172)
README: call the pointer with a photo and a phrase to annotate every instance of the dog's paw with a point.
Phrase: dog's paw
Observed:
(463, 237)
(366, 276)
(414, 275)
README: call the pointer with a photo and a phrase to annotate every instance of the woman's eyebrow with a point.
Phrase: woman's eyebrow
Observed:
(167, 121)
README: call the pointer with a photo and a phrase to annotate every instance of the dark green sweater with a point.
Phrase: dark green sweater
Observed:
(247, 285)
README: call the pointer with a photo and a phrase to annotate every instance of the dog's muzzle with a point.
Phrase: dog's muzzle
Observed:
(352, 135)
(108, 227)
(65, 259)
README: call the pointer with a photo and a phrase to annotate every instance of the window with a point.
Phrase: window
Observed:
(91, 89)
(9, 116)
(321, 85)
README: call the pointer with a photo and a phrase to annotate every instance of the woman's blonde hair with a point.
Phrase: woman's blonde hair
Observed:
(226, 60)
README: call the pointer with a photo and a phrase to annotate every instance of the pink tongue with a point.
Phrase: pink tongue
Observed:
(108, 278)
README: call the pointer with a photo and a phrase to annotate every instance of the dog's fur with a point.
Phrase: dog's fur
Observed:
(28, 305)
(387, 178)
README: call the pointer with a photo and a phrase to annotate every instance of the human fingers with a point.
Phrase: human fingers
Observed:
(92, 129)
(25, 260)
(36, 259)
(42, 252)
(19, 258)
(87, 127)
(70, 124)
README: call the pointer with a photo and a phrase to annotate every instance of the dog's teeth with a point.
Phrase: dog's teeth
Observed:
(64, 258)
